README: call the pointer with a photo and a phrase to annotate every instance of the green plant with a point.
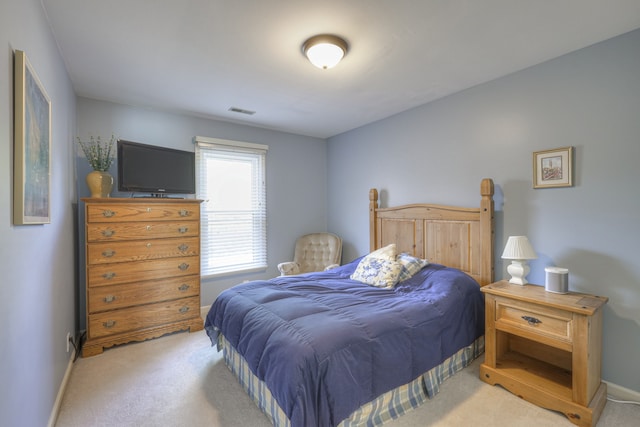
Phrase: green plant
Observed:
(99, 154)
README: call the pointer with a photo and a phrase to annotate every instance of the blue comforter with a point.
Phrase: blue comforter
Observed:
(325, 344)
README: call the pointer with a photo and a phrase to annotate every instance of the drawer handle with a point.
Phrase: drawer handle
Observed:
(184, 309)
(108, 253)
(183, 266)
(532, 321)
(183, 247)
(109, 275)
(184, 212)
(109, 324)
(108, 213)
(108, 232)
(109, 298)
(148, 228)
(183, 287)
(183, 229)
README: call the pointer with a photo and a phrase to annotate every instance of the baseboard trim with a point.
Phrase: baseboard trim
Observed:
(63, 387)
(622, 393)
(204, 310)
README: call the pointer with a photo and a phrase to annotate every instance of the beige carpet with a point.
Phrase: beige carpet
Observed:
(180, 380)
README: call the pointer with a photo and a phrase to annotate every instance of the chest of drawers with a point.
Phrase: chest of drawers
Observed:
(546, 348)
(142, 269)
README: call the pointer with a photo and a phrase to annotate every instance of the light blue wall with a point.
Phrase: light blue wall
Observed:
(589, 99)
(37, 292)
(296, 172)
(439, 152)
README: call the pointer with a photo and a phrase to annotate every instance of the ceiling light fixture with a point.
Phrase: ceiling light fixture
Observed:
(325, 50)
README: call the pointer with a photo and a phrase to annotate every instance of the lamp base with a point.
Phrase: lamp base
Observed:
(518, 269)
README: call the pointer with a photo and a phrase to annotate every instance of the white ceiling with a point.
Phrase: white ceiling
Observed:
(202, 57)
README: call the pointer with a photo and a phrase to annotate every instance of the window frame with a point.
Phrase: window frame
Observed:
(256, 155)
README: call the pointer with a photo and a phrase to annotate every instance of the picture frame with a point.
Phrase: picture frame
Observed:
(32, 146)
(553, 168)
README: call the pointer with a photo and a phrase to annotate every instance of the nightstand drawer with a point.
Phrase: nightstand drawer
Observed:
(534, 319)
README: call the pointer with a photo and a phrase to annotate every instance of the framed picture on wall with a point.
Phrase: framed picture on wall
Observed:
(32, 146)
(553, 168)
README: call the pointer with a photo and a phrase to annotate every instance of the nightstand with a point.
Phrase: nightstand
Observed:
(546, 348)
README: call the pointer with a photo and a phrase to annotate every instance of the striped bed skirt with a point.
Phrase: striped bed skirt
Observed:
(385, 407)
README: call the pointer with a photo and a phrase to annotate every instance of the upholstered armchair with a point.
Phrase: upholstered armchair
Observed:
(313, 252)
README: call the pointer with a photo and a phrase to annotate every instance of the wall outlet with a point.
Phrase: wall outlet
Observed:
(68, 340)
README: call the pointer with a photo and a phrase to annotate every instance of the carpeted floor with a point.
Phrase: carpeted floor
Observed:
(181, 381)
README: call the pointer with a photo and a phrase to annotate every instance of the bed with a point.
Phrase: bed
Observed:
(346, 347)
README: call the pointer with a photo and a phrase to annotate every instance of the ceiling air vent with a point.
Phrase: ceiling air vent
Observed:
(242, 111)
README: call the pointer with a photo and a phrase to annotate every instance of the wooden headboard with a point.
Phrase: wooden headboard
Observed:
(453, 236)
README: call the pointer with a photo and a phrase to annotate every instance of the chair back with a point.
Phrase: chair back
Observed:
(316, 251)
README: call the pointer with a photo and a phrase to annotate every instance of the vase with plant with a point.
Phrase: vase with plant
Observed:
(100, 155)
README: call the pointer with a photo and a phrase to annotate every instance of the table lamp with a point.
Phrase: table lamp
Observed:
(518, 250)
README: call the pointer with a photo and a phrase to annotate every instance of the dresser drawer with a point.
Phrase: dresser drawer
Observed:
(533, 319)
(119, 212)
(141, 230)
(140, 250)
(136, 271)
(145, 316)
(103, 298)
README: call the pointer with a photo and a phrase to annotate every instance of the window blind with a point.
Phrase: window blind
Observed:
(230, 179)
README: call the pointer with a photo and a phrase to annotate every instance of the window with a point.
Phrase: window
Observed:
(230, 178)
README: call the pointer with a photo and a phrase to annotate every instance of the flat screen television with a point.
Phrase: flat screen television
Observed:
(159, 171)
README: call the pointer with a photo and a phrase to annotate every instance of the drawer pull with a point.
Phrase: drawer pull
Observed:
(184, 212)
(148, 228)
(109, 324)
(183, 287)
(108, 232)
(184, 309)
(183, 247)
(148, 209)
(109, 298)
(108, 253)
(109, 275)
(148, 245)
(532, 321)
(183, 266)
(108, 213)
(183, 229)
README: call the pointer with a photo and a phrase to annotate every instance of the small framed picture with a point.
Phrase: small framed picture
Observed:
(553, 168)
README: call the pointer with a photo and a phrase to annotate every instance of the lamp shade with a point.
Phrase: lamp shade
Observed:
(518, 247)
(325, 50)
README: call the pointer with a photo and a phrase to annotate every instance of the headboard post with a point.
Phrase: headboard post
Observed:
(373, 205)
(486, 232)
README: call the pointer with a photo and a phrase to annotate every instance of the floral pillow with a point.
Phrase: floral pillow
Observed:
(377, 272)
(379, 268)
(410, 266)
